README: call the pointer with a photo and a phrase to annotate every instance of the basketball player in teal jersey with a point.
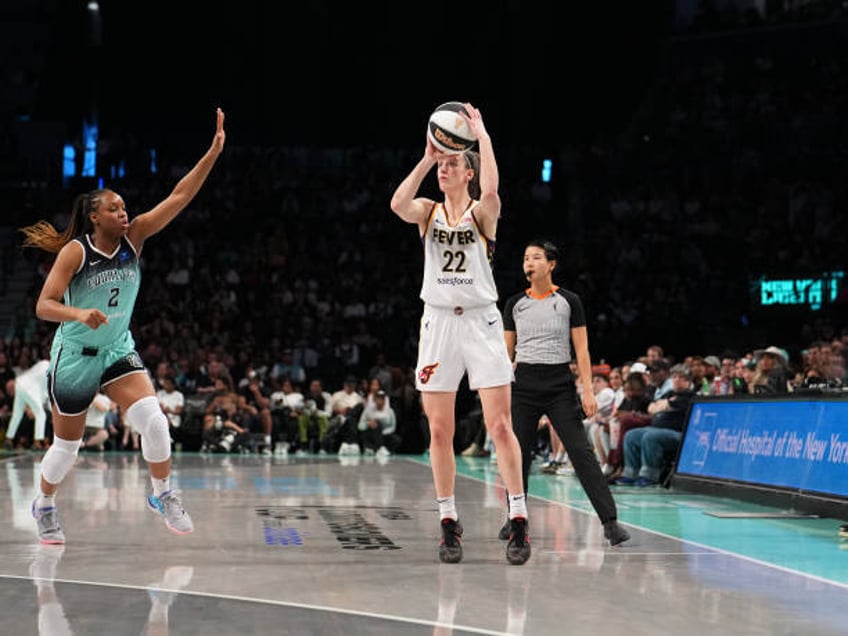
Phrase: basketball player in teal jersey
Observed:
(91, 291)
(461, 326)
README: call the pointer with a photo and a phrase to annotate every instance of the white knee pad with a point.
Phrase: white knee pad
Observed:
(146, 417)
(59, 459)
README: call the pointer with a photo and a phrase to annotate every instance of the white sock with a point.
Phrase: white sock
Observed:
(267, 440)
(160, 485)
(46, 501)
(447, 508)
(517, 506)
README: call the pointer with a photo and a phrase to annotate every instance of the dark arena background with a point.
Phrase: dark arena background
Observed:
(687, 157)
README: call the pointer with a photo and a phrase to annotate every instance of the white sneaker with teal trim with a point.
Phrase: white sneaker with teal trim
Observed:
(171, 508)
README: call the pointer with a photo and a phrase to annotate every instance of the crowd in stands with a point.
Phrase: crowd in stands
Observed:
(290, 277)
(711, 16)
(643, 403)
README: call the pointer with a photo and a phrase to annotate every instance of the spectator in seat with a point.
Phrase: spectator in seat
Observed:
(724, 380)
(377, 427)
(342, 402)
(712, 376)
(255, 402)
(317, 408)
(616, 382)
(648, 449)
(743, 380)
(698, 369)
(172, 401)
(653, 353)
(605, 397)
(631, 413)
(292, 405)
(772, 373)
(286, 367)
(222, 417)
(641, 369)
(660, 378)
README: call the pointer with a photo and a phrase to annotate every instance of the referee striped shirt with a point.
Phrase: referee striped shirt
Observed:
(542, 325)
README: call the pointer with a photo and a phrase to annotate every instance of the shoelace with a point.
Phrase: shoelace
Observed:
(49, 519)
(170, 501)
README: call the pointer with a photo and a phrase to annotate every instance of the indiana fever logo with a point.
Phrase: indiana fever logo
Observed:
(427, 372)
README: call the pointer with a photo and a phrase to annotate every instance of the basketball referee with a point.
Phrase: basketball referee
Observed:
(540, 324)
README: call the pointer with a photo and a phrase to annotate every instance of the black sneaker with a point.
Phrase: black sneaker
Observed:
(450, 547)
(614, 533)
(505, 531)
(518, 548)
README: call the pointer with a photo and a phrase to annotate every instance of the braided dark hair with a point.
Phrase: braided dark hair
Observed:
(43, 235)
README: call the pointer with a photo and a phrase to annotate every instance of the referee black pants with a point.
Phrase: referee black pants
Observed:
(548, 389)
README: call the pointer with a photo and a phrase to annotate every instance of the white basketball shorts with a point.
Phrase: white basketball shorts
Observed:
(453, 341)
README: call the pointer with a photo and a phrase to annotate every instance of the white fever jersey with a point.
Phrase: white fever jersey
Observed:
(108, 282)
(457, 261)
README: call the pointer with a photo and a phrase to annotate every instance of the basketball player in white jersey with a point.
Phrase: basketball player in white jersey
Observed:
(461, 327)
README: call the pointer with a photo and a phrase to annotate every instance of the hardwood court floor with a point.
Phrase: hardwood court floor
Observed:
(330, 545)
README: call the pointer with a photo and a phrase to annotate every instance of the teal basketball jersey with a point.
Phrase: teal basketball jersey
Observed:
(108, 282)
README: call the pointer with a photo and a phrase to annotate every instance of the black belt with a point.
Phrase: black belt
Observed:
(89, 351)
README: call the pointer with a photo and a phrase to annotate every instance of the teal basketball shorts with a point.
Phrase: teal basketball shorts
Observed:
(77, 371)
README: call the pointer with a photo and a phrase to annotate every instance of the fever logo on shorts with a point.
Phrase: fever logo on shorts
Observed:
(427, 372)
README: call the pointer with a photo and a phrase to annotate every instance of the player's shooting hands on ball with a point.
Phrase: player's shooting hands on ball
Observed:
(431, 153)
(474, 120)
